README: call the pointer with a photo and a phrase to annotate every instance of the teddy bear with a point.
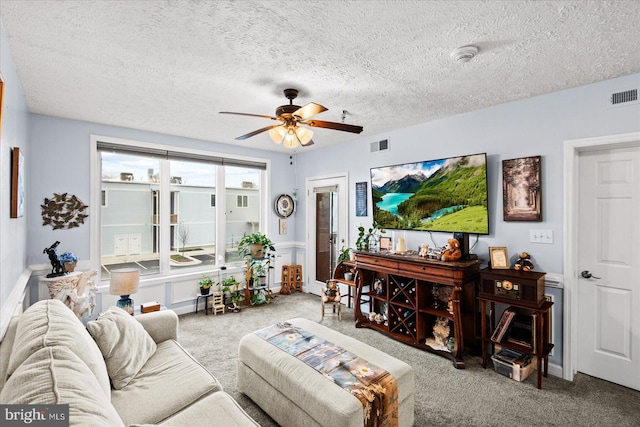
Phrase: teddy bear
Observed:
(523, 263)
(451, 251)
(331, 292)
(424, 250)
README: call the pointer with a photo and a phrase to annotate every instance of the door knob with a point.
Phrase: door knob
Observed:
(587, 275)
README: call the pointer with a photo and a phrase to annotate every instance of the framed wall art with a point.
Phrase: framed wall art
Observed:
(17, 183)
(1, 97)
(361, 198)
(521, 189)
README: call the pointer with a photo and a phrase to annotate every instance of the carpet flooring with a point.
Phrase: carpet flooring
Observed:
(445, 396)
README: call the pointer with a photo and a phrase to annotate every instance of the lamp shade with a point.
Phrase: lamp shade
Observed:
(124, 281)
(277, 134)
(290, 136)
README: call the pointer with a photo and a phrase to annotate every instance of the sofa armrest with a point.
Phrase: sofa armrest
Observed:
(161, 325)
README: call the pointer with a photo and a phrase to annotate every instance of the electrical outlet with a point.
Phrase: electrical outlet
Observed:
(541, 236)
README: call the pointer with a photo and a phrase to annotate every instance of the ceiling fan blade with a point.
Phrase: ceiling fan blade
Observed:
(250, 115)
(311, 109)
(255, 132)
(333, 125)
(308, 143)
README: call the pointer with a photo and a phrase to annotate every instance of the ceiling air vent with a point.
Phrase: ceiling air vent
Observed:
(626, 97)
(382, 145)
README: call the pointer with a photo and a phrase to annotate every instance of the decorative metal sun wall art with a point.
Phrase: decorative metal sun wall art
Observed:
(63, 211)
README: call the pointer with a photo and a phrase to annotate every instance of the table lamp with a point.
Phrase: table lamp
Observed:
(124, 282)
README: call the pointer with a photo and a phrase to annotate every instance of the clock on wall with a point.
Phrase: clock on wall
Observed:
(284, 205)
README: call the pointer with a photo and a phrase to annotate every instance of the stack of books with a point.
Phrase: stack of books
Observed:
(516, 327)
(503, 325)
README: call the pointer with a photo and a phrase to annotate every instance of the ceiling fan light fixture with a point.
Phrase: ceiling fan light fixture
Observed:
(290, 136)
(278, 134)
(304, 135)
(290, 140)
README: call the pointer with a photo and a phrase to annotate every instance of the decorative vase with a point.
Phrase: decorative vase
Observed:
(256, 250)
(69, 266)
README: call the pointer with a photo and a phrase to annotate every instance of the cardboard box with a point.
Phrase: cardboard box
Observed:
(519, 371)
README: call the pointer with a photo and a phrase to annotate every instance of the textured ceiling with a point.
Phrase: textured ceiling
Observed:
(171, 66)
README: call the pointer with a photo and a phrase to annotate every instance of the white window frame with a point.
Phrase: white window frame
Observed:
(245, 201)
(165, 271)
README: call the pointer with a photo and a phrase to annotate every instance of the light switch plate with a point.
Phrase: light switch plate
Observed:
(541, 236)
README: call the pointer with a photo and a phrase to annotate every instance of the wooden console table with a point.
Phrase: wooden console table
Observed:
(418, 297)
(525, 292)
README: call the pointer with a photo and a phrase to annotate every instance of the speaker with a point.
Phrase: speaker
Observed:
(463, 239)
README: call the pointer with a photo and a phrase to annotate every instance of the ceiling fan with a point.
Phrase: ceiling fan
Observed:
(288, 132)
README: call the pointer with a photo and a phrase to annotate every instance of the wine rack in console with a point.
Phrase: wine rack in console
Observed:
(425, 303)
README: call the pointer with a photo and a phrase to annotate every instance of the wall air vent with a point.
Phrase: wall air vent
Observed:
(626, 97)
(382, 145)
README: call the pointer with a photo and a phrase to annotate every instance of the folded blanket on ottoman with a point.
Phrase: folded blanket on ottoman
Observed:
(294, 393)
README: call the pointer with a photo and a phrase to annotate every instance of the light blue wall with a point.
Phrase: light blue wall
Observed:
(62, 165)
(532, 127)
(14, 133)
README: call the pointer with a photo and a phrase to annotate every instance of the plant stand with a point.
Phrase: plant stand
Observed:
(251, 288)
(206, 301)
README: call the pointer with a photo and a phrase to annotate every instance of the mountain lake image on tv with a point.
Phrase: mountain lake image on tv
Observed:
(447, 195)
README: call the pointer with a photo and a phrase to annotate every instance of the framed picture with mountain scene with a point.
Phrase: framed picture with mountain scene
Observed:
(521, 189)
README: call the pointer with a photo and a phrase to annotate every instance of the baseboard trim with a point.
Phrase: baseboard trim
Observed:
(555, 370)
(14, 302)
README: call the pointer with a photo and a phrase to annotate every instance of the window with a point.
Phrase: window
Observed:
(243, 185)
(162, 215)
(242, 201)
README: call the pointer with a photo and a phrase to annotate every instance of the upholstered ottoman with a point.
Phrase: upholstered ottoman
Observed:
(296, 395)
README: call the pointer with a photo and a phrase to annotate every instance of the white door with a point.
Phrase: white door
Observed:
(336, 188)
(609, 265)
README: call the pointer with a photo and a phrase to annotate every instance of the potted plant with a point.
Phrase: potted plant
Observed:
(68, 261)
(367, 237)
(205, 283)
(235, 295)
(257, 245)
(345, 255)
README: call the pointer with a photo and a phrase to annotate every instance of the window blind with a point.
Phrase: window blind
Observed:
(178, 155)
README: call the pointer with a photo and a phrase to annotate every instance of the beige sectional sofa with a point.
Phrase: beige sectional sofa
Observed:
(128, 375)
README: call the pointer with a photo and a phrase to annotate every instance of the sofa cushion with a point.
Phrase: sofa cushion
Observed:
(170, 381)
(54, 375)
(49, 323)
(217, 409)
(124, 343)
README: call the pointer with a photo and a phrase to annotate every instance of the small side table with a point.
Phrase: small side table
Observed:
(206, 302)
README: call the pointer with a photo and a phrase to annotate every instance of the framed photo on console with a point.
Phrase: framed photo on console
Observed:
(385, 243)
(499, 257)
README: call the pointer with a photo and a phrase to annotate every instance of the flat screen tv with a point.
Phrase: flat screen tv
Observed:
(448, 195)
